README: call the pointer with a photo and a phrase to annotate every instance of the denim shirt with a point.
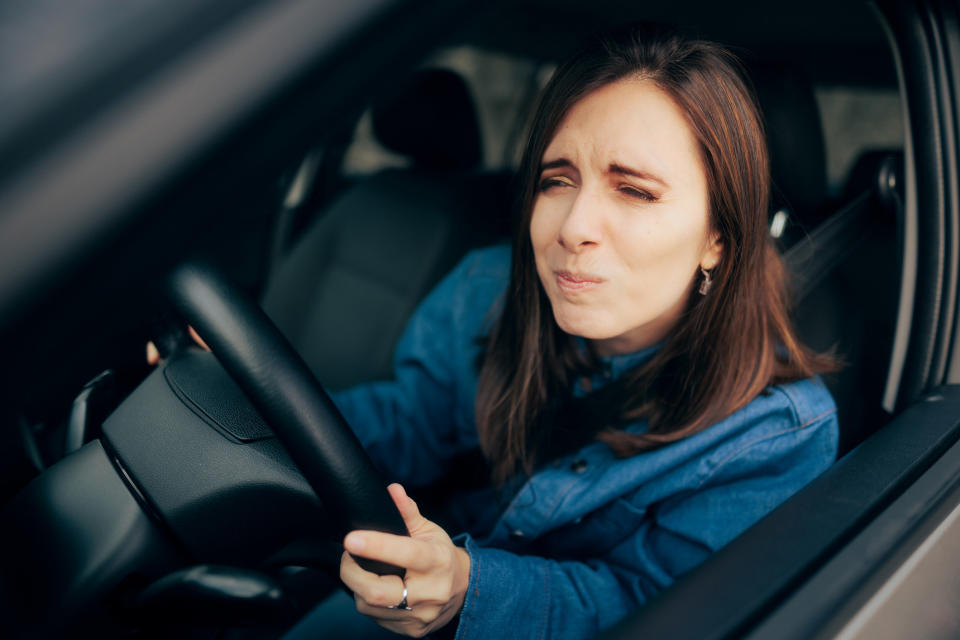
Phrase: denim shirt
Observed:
(590, 537)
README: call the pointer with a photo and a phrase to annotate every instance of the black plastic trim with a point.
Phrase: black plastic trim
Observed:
(204, 486)
(826, 603)
(911, 33)
(939, 37)
(951, 28)
(71, 539)
(149, 509)
(907, 233)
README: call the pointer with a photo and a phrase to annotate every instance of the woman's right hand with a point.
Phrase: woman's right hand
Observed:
(437, 573)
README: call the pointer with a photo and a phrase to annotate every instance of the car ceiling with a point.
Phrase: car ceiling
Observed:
(51, 55)
(837, 41)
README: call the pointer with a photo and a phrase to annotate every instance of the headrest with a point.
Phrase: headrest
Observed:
(795, 140)
(430, 117)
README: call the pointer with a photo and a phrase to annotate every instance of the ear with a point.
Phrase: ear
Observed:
(712, 254)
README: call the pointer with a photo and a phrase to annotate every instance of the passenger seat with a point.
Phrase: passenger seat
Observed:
(852, 307)
(344, 292)
(798, 157)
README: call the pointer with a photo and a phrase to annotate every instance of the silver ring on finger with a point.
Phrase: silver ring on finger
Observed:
(403, 601)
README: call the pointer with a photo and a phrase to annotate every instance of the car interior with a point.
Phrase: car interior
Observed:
(427, 224)
(339, 247)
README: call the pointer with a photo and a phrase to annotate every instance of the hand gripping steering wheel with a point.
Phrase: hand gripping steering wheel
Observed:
(291, 401)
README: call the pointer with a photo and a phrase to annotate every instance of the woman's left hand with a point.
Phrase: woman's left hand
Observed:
(436, 580)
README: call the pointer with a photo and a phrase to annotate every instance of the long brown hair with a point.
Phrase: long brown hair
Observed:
(727, 347)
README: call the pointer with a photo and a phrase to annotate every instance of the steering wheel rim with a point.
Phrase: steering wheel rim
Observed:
(291, 401)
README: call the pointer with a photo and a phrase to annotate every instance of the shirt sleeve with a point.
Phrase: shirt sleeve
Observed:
(413, 425)
(537, 597)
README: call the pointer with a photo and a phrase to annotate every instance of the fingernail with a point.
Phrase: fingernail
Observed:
(355, 542)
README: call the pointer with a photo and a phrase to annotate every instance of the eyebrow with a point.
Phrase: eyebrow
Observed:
(614, 167)
(555, 164)
(636, 173)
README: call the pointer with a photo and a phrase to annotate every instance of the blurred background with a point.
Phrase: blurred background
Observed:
(856, 118)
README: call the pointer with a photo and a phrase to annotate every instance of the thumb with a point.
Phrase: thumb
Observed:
(407, 508)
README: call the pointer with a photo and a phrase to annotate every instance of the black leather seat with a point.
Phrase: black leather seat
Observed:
(344, 292)
(798, 159)
(845, 310)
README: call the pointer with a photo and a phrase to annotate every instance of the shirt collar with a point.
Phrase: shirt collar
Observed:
(612, 367)
(616, 365)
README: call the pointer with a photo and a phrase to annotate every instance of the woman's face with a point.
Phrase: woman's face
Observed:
(620, 225)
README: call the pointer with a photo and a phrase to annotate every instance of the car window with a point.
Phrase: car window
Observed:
(503, 88)
(857, 120)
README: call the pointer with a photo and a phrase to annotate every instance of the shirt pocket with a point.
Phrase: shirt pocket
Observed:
(595, 533)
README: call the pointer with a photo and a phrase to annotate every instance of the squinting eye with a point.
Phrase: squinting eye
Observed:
(549, 183)
(633, 192)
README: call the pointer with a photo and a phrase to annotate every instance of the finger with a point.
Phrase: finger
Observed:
(153, 356)
(383, 614)
(377, 591)
(409, 623)
(399, 551)
(196, 338)
(407, 508)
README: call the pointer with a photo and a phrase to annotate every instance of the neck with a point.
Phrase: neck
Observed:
(634, 340)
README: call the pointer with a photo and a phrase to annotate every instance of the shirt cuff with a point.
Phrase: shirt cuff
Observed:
(466, 541)
(495, 571)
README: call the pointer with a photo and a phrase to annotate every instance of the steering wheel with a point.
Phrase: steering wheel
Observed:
(281, 387)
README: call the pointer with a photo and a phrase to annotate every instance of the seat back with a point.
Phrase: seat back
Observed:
(842, 308)
(798, 160)
(344, 292)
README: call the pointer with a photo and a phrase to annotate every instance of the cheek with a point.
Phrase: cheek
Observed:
(542, 230)
(661, 253)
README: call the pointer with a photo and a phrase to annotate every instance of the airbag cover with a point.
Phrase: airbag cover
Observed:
(203, 385)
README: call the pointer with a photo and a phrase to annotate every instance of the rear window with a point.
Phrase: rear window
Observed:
(857, 120)
(503, 87)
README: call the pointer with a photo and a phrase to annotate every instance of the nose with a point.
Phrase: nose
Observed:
(582, 227)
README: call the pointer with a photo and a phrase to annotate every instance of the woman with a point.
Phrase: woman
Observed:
(641, 397)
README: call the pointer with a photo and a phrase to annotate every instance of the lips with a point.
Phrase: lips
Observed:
(575, 282)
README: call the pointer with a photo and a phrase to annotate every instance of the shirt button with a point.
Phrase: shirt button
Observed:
(578, 466)
(517, 534)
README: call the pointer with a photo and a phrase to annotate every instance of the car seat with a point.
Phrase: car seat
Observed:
(344, 292)
(839, 304)
(798, 162)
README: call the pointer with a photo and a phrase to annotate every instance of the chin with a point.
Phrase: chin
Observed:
(584, 326)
